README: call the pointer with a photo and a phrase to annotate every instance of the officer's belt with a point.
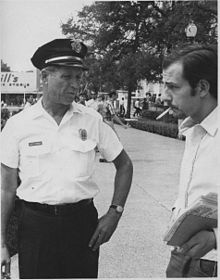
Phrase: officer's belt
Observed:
(59, 209)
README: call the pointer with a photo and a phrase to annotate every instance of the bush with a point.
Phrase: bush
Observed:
(158, 127)
(152, 115)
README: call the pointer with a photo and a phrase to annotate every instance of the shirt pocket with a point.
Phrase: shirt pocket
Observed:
(82, 158)
(34, 160)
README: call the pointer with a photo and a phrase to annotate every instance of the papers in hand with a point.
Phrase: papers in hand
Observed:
(202, 215)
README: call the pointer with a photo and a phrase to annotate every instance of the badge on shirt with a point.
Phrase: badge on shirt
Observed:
(76, 46)
(38, 143)
(83, 134)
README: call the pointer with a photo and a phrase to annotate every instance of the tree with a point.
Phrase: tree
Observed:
(5, 67)
(169, 28)
(132, 69)
(128, 39)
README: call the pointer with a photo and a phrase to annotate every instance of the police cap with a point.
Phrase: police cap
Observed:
(60, 52)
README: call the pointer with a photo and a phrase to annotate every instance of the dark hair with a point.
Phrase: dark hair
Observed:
(199, 62)
(28, 96)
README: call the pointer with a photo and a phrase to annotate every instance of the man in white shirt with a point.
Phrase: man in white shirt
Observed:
(190, 80)
(51, 146)
(137, 108)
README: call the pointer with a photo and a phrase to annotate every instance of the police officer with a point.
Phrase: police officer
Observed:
(51, 146)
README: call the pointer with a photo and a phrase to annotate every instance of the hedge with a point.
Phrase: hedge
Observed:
(168, 118)
(158, 127)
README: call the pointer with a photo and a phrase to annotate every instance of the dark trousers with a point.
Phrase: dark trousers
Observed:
(57, 246)
(122, 111)
(184, 266)
(137, 111)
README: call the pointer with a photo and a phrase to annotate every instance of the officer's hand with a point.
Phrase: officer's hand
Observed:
(106, 226)
(5, 263)
(199, 245)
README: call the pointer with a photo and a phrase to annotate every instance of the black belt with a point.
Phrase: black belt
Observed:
(59, 209)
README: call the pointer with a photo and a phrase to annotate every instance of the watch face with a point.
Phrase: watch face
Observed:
(119, 209)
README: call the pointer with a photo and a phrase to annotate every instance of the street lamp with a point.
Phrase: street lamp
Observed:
(191, 31)
(24, 93)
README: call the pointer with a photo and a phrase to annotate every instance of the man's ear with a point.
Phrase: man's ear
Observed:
(203, 88)
(44, 76)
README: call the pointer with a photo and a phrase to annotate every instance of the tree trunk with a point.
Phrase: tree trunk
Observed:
(128, 114)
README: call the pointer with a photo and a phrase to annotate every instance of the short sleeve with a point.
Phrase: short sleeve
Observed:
(109, 145)
(215, 230)
(9, 145)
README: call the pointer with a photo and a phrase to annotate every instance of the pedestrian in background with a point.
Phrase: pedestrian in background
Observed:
(190, 80)
(111, 115)
(107, 111)
(122, 108)
(137, 107)
(145, 105)
(102, 105)
(93, 101)
(52, 148)
(159, 100)
(29, 101)
(5, 115)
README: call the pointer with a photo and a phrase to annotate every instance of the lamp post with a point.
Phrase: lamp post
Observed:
(24, 93)
(191, 31)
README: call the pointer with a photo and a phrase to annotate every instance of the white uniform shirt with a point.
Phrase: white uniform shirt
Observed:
(55, 165)
(199, 172)
(27, 105)
(92, 104)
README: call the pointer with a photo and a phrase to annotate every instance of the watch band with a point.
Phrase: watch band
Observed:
(118, 208)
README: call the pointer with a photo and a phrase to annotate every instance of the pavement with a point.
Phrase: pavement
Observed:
(137, 250)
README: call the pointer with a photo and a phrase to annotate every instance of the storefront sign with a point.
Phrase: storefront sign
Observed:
(18, 82)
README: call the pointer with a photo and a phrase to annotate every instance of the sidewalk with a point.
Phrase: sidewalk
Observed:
(136, 249)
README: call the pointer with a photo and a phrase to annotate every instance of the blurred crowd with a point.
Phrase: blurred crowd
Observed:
(107, 104)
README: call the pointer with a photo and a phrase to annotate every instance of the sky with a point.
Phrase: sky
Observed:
(28, 24)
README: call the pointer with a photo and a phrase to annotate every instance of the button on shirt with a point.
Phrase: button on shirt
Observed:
(56, 163)
(199, 172)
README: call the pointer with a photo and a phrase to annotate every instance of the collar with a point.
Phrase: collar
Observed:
(76, 107)
(39, 111)
(209, 124)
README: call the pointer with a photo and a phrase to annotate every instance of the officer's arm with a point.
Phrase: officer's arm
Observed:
(108, 223)
(123, 178)
(8, 193)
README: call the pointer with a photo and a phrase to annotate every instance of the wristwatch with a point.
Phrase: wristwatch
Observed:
(119, 209)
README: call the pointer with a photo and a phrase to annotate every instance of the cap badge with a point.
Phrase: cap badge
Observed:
(83, 134)
(76, 46)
